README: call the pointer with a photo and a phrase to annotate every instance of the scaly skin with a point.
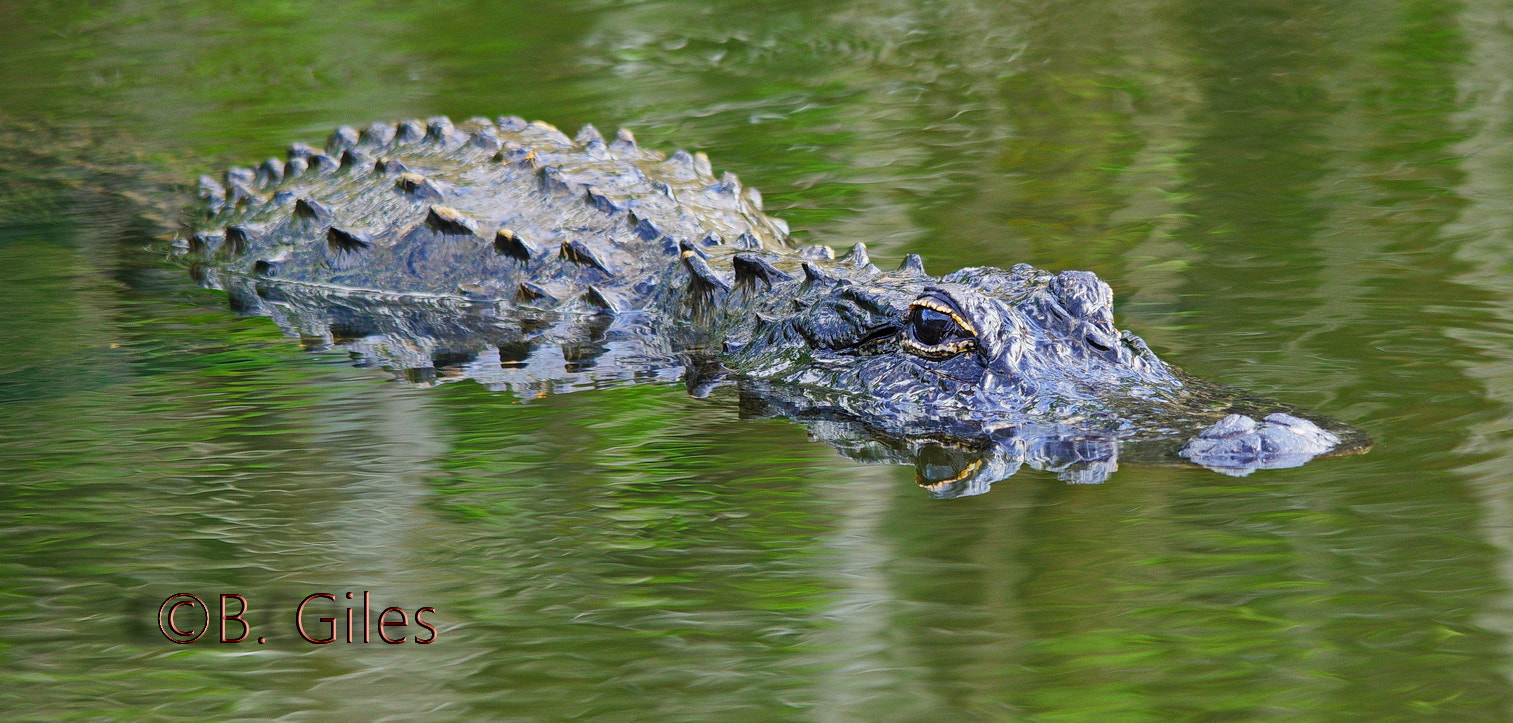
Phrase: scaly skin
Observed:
(508, 253)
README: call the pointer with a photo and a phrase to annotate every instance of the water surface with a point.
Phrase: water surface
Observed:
(1308, 200)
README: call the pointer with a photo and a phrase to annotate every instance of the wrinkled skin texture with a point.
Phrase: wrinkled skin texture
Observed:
(1039, 345)
(507, 253)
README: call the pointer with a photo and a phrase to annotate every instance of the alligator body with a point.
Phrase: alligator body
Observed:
(506, 252)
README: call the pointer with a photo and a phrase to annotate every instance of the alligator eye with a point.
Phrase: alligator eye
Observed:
(936, 330)
(931, 327)
(1098, 344)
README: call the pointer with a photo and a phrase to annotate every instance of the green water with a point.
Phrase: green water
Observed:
(1309, 200)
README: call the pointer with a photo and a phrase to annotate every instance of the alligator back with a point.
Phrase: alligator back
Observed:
(509, 211)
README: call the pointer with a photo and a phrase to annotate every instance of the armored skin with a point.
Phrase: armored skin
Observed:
(506, 252)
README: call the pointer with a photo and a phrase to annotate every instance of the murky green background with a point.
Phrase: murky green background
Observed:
(1311, 200)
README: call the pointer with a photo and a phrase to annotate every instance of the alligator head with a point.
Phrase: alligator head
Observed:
(995, 368)
(981, 345)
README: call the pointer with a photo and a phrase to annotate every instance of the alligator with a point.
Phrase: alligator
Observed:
(506, 252)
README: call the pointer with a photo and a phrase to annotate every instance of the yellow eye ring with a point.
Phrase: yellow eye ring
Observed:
(945, 349)
(941, 351)
(934, 305)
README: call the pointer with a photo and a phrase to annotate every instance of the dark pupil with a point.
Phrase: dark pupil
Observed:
(933, 328)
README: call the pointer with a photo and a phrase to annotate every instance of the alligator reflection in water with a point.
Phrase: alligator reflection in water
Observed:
(957, 459)
(949, 464)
